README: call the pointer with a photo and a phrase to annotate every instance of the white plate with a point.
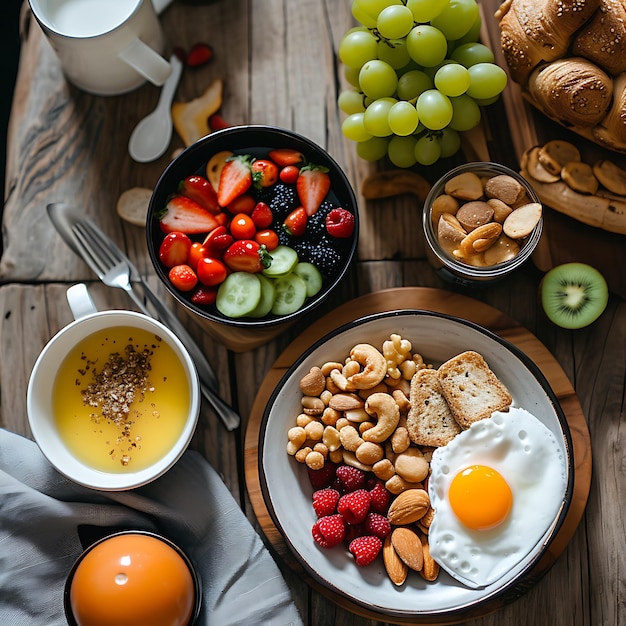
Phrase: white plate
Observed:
(287, 491)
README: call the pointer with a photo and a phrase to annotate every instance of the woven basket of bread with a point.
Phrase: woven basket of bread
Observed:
(569, 57)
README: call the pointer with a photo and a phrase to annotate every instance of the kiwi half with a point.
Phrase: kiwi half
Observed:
(573, 295)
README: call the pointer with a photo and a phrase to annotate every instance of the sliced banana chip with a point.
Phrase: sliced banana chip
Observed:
(580, 177)
(556, 153)
(132, 205)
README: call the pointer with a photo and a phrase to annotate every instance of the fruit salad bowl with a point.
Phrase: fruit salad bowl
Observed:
(252, 227)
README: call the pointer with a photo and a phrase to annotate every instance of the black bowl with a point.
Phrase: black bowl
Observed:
(257, 141)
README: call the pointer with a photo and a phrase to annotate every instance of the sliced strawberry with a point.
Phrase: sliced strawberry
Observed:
(295, 222)
(217, 242)
(199, 54)
(174, 249)
(198, 188)
(312, 186)
(247, 256)
(187, 216)
(235, 179)
(286, 156)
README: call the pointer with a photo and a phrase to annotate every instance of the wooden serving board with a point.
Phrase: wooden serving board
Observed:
(442, 302)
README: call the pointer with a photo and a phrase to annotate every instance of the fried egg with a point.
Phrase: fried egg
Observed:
(496, 489)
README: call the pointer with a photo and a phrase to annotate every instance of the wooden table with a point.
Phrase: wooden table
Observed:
(278, 61)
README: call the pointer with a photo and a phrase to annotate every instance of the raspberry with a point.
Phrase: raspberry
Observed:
(329, 531)
(325, 501)
(354, 506)
(349, 478)
(365, 549)
(353, 531)
(322, 477)
(377, 525)
(340, 223)
(379, 498)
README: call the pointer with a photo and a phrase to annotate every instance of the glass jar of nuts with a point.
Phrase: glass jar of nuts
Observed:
(481, 221)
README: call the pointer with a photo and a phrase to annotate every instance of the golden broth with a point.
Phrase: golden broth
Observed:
(102, 438)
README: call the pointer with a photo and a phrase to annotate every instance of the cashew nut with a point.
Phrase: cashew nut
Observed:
(385, 409)
(374, 366)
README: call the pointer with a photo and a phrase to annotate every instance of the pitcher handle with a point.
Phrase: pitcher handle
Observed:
(160, 5)
(79, 299)
(150, 64)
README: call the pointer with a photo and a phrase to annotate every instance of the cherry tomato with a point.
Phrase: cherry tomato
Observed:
(242, 226)
(242, 204)
(174, 249)
(295, 222)
(211, 272)
(264, 172)
(197, 252)
(183, 277)
(267, 237)
(289, 174)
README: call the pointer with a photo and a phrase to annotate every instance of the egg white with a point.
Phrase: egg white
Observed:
(528, 456)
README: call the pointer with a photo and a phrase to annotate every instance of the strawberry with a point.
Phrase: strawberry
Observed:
(365, 549)
(204, 296)
(217, 242)
(322, 477)
(325, 501)
(377, 525)
(217, 122)
(286, 156)
(267, 172)
(199, 54)
(295, 222)
(245, 255)
(312, 186)
(174, 249)
(200, 189)
(349, 478)
(354, 506)
(329, 531)
(185, 215)
(262, 215)
(235, 179)
(340, 223)
(379, 498)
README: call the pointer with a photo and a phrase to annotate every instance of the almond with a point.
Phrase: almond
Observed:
(396, 568)
(408, 507)
(408, 547)
(346, 402)
(430, 567)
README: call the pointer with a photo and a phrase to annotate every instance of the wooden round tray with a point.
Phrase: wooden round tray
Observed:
(451, 304)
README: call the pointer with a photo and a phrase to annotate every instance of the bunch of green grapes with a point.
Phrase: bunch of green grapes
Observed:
(419, 77)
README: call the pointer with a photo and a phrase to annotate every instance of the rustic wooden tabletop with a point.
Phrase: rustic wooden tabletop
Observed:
(278, 63)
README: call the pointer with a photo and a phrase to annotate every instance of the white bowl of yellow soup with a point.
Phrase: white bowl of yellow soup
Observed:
(113, 400)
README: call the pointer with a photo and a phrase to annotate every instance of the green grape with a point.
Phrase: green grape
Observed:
(465, 113)
(352, 76)
(394, 52)
(485, 102)
(469, 54)
(426, 45)
(427, 150)
(353, 128)
(456, 18)
(431, 71)
(374, 7)
(373, 149)
(378, 79)
(350, 101)
(395, 21)
(401, 151)
(486, 80)
(411, 84)
(434, 109)
(361, 16)
(473, 34)
(425, 10)
(357, 47)
(449, 142)
(452, 79)
(403, 118)
(376, 117)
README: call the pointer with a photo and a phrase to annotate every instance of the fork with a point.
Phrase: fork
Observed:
(110, 265)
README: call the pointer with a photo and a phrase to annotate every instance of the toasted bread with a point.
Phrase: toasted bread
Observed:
(472, 391)
(429, 422)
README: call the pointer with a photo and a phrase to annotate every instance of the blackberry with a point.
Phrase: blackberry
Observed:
(284, 238)
(283, 200)
(322, 254)
(316, 224)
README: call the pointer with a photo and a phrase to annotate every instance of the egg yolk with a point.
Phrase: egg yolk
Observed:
(132, 580)
(480, 497)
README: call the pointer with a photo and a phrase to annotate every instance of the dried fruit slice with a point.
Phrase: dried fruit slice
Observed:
(191, 118)
(556, 153)
(580, 177)
(610, 176)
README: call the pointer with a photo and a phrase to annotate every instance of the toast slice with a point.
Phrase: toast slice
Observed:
(472, 391)
(429, 422)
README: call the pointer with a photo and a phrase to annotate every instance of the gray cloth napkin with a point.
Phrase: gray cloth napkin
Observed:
(41, 512)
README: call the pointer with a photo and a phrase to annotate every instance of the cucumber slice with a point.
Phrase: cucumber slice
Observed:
(290, 294)
(284, 259)
(311, 276)
(239, 294)
(267, 297)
